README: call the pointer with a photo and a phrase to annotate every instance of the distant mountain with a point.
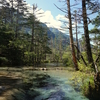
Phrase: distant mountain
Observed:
(49, 32)
(61, 38)
(54, 30)
(56, 37)
(59, 33)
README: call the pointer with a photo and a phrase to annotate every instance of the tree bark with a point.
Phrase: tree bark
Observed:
(87, 40)
(96, 68)
(32, 42)
(81, 55)
(12, 11)
(71, 37)
(76, 33)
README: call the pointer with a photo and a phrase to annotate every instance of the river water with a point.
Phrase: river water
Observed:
(59, 87)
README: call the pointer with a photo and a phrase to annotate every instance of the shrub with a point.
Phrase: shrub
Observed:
(67, 60)
(46, 61)
(3, 61)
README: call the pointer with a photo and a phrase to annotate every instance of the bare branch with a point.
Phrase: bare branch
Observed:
(60, 9)
(74, 4)
(63, 21)
(79, 53)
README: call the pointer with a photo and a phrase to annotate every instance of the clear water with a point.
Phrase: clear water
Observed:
(59, 87)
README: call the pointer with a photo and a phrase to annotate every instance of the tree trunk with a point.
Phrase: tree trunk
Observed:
(71, 37)
(32, 42)
(96, 68)
(17, 22)
(81, 55)
(60, 50)
(87, 40)
(12, 11)
(76, 33)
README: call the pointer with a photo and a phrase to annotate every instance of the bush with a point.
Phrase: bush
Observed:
(28, 58)
(66, 59)
(3, 61)
(46, 61)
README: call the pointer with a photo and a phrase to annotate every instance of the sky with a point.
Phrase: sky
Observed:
(47, 5)
(52, 15)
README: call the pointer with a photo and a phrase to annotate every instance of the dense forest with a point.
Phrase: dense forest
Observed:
(26, 41)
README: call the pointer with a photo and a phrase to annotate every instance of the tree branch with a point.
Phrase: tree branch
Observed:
(60, 9)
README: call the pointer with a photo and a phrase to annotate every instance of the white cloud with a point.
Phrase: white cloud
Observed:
(61, 17)
(51, 21)
(48, 17)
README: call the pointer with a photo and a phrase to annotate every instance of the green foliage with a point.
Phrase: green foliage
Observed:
(96, 20)
(15, 55)
(17, 48)
(67, 60)
(83, 77)
(46, 61)
(83, 68)
(85, 56)
(28, 58)
(6, 36)
(11, 49)
(56, 57)
(85, 86)
(3, 61)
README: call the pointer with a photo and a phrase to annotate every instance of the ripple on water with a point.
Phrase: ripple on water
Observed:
(58, 95)
(59, 89)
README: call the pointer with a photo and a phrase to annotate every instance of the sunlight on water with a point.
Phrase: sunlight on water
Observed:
(59, 87)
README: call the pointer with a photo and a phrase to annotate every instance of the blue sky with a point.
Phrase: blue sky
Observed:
(47, 5)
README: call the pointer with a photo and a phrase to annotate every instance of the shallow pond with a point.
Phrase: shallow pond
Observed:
(58, 87)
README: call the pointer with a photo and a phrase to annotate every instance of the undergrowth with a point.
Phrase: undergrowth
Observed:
(83, 78)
